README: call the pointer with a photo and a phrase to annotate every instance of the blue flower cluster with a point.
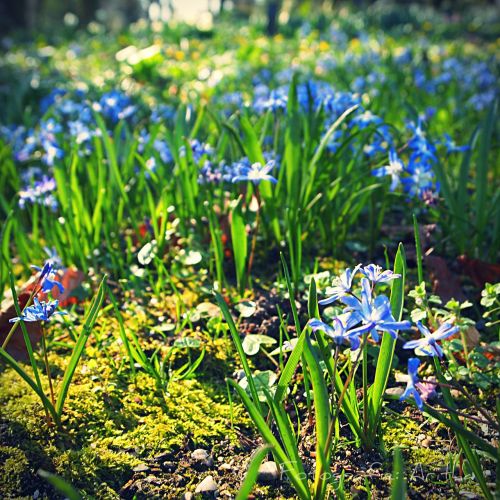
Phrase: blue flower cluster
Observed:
(417, 177)
(40, 192)
(240, 170)
(363, 314)
(475, 80)
(71, 119)
(43, 311)
(368, 313)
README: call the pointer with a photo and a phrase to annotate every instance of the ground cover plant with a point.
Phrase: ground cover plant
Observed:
(245, 264)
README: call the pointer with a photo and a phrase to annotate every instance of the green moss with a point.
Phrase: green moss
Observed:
(95, 468)
(111, 423)
(404, 432)
(14, 473)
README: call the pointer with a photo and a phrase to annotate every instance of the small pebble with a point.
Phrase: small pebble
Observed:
(203, 457)
(141, 468)
(394, 391)
(268, 473)
(427, 442)
(207, 486)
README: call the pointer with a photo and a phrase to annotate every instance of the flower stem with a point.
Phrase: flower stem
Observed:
(365, 387)
(35, 291)
(47, 367)
(254, 236)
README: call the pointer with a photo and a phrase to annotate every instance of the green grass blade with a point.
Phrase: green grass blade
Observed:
(252, 472)
(299, 483)
(239, 240)
(462, 438)
(9, 360)
(482, 172)
(291, 294)
(388, 344)
(121, 324)
(289, 369)
(287, 434)
(26, 337)
(398, 487)
(312, 303)
(79, 346)
(60, 485)
(239, 347)
(251, 142)
(322, 413)
(463, 431)
(418, 250)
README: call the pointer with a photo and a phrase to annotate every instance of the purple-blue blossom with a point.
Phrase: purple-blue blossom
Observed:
(374, 314)
(411, 389)
(375, 274)
(394, 169)
(428, 345)
(338, 331)
(39, 311)
(256, 173)
(341, 286)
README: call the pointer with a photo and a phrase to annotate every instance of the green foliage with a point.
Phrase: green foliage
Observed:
(398, 490)
(54, 410)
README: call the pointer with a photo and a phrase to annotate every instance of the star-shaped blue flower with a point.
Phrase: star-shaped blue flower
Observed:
(39, 311)
(411, 390)
(428, 345)
(338, 332)
(341, 286)
(375, 315)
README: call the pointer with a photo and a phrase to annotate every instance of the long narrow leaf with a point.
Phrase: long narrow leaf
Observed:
(252, 472)
(79, 346)
(239, 347)
(398, 488)
(299, 482)
(388, 344)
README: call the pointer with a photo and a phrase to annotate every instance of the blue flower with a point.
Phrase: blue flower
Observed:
(420, 180)
(422, 149)
(375, 274)
(394, 169)
(199, 150)
(365, 119)
(47, 276)
(49, 128)
(52, 151)
(338, 332)
(273, 100)
(428, 345)
(115, 105)
(341, 286)
(53, 258)
(256, 173)
(47, 101)
(39, 311)
(163, 112)
(41, 192)
(451, 146)
(375, 315)
(161, 147)
(80, 132)
(411, 390)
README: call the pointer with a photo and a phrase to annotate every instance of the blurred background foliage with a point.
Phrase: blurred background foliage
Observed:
(53, 17)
